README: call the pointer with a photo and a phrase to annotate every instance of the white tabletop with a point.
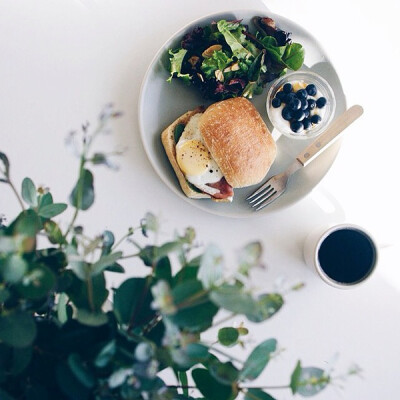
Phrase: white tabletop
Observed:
(62, 61)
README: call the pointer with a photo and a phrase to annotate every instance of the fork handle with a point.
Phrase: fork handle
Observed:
(331, 133)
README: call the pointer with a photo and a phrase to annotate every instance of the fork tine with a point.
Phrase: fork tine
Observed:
(270, 199)
(264, 198)
(259, 190)
(264, 193)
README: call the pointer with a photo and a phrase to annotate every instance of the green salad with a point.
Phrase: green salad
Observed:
(224, 59)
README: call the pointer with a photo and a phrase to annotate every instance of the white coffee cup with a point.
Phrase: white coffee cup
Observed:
(342, 255)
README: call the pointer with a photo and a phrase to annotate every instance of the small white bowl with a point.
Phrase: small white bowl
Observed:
(323, 89)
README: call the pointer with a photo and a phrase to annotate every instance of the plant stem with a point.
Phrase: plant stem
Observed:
(129, 256)
(17, 195)
(90, 293)
(225, 354)
(223, 320)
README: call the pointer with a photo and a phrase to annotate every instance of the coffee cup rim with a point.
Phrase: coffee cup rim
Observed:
(324, 235)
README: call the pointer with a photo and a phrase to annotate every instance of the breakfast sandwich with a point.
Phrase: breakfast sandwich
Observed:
(216, 150)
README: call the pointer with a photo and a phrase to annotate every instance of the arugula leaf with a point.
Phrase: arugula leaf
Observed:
(176, 60)
(218, 61)
(232, 38)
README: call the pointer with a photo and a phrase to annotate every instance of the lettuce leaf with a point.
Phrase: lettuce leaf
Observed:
(234, 38)
(218, 61)
(176, 60)
(293, 56)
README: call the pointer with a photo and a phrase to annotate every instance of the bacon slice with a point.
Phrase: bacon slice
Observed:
(225, 190)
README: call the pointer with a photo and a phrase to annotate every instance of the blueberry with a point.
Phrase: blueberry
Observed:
(306, 123)
(287, 113)
(296, 126)
(315, 119)
(306, 113)
(295, 104)
(287, 87)
(298, 115)
(321, 102)
(280, 95)
(289, 97)
(301, 94)
(304, 104)
(276, 103)
(311, 89)
(311, 104)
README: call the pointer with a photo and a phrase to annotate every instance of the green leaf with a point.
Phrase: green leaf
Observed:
(108, 242)
(17, 329)
(105, 261)
(51, 210)
(149, 223)
(13, 268)
(183, 379)
(257, 394)
(294, 378)
(308, 381)
(228, 336)
(27, 223)
(257, 360)
(210, 388)
(249, 257)
(45, 200)
(265, 306)
(232, 40)
(81, 372)
(293, 56)
(224, 373)
(21, 358)
(6, 169)
(37, 283)
(91, 318)
(4, 294)
(178, 132)
(176, 59)
(54, 233)
(218, 61)
(82, 195)
(62, 313)
(28, 192)
(211, 266)
(195, 311)
(232, 298)
(70, 385)
(132, 302)
(106, 354)
(163, 269)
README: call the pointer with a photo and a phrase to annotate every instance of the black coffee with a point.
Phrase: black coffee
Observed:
(347, 255)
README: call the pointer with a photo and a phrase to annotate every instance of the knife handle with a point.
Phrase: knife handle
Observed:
(324, 140)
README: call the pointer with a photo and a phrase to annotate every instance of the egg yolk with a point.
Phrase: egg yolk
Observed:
(193, 157)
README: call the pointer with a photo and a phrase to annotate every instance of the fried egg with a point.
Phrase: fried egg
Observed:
(194, 159)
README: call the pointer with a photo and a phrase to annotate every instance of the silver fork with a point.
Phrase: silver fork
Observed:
(276, 185)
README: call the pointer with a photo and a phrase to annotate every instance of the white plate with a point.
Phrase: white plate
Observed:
(160, 103)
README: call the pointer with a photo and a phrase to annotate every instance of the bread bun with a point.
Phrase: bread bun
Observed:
(238, 140)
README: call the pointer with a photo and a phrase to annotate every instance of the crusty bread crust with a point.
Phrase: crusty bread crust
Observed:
(168, 141)
(238, 140)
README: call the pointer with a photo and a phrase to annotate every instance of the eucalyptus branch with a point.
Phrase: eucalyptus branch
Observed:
(16, 194)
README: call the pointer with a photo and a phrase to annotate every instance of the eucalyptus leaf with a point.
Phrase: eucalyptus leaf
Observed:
(108, 241)
(81, 372)
(249, 257)
(91, 318)
(106, 354)
(28, 192)
(228, 336)
(104, 262)
(308, 381)
(17, 329)
(82, 195)
(132, 302)
(54, 233)
(62, 314)
(225, 373)
(232, 298)
(210, 388)
(265, 306)
(211, 266)
(37, 283)
(257, 360)
(52, 210)
(6, 165)
(13, 268)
